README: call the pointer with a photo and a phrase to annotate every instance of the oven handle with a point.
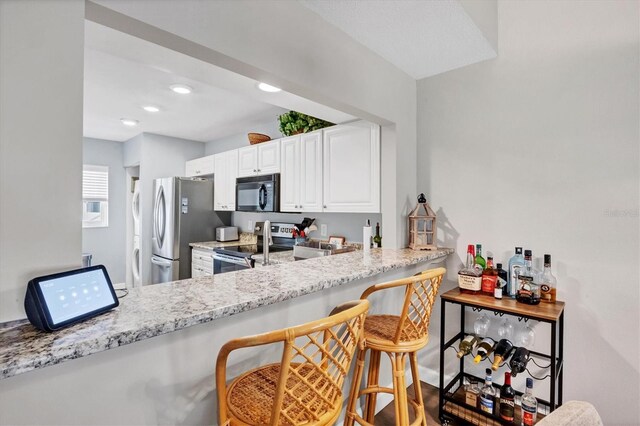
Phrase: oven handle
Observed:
(243, 261)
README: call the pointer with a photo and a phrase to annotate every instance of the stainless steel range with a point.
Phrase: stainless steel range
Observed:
(236, 258)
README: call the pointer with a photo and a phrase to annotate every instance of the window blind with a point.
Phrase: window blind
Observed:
(95, 182)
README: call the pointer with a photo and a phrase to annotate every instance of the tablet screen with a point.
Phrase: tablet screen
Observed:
(74, 295)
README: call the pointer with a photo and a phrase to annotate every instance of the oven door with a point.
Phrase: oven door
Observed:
(258, 194)
(224, 263)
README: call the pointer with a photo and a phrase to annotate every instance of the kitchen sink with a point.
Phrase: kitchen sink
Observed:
(311, 249)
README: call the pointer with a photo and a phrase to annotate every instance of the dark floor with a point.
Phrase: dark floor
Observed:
(430, 396)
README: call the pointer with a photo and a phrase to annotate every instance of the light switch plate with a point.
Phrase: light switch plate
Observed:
(323, 230)
(250, 226)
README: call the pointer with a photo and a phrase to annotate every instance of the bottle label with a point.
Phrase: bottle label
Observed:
(489, 283)
(515, 271)
(528, 415)
(486, 404)
(469, 282)
(507, 408)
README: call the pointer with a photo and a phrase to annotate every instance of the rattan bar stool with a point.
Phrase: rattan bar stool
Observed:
(399, 336)
(305, 388)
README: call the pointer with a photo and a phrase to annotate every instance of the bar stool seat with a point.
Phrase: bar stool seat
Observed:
(305, 388)
(400, 337)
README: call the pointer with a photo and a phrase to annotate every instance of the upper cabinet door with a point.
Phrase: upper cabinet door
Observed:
(269, 157)
(200, 166)
(311, 172)
(352, 168)
(231, 159)
(220, 192)
(247, 161)
(290, 174)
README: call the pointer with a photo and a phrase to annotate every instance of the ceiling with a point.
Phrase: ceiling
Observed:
(124, 73)
(421, 37)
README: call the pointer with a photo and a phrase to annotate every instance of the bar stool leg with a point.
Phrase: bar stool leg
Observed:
(369, 411)
(355, 388)
(400, 389)
(417, 388)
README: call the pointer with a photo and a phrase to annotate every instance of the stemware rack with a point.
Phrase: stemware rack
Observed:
(452, 399)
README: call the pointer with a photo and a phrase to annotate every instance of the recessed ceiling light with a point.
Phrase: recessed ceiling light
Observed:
(129, 122)
(183, 89)
(268, 88)
(151, 108)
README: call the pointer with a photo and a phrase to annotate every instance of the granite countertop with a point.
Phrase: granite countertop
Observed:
(162, 308)
(275, 258)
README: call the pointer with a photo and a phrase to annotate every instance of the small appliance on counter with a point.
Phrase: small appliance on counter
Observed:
(236, 258)
(227, 233)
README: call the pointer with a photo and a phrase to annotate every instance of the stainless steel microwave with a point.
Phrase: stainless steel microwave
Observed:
(258, 193)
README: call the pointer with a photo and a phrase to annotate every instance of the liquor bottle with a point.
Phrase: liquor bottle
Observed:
(479, 259)
(487, 394)
(484, 349)
(529, 405)
(472, 394)
(515, 263)
(503, 278)
(470, 278)
(377, 240)
(528, 291)
(519, 360)
(489, 278)
(501, 352)
(467, 345)
(547, 282)
(507, 399)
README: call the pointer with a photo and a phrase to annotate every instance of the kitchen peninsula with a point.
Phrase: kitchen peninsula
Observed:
(169, 379)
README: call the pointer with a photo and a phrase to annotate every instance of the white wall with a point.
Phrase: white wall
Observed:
(270, 128)
(41, 67)
(161, 156)
(108, 244)
(270, 41)
(540, 148)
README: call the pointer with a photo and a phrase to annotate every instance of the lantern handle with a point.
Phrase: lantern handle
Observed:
(422, 199)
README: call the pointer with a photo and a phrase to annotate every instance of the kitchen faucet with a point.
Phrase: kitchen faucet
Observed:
(266, 242)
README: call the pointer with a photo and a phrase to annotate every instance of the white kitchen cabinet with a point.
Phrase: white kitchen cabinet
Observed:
(224, 182)
(200, 166)
(301, 173)
(201, 263)
(260, 159)
(351, 168)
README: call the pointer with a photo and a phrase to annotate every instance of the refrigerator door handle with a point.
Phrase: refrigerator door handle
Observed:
(161, 263)
(160, 218)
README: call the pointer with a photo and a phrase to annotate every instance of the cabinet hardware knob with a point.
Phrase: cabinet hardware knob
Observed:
(324, 207)
(254, 170)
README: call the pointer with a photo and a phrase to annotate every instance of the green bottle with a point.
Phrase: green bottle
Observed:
(479, 259)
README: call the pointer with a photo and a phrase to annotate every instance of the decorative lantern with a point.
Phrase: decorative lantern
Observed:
(422, 226)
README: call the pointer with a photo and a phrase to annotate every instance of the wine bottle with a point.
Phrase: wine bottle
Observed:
(507, 399)
(377, 239)
(515, 263)
(501, 352)
(467, 345)
(487, 394)
(547, 282)
(484, 349)
(470, 278)
(480, 262)
(489, 278)
(519, 360)
(529, 405)
(528, 291)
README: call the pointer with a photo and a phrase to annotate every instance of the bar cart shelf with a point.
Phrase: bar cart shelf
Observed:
(452, 401)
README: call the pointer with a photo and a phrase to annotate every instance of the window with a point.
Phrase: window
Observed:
(95, 196)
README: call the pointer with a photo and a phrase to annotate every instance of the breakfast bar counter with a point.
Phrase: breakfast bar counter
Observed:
(287, 293)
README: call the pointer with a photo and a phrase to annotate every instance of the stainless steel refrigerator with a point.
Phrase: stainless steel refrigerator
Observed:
(182, 214)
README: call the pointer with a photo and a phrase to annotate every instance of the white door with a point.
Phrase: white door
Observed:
(351, 168)
(310, 172)
(290, 174)
(200, 166)
(247, 161)
(220, 192)
(269, 157)
(231, 160)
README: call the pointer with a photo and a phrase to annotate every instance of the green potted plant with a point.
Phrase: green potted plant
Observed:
(294, 122)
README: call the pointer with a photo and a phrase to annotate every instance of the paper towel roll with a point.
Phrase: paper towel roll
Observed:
(366, 238)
